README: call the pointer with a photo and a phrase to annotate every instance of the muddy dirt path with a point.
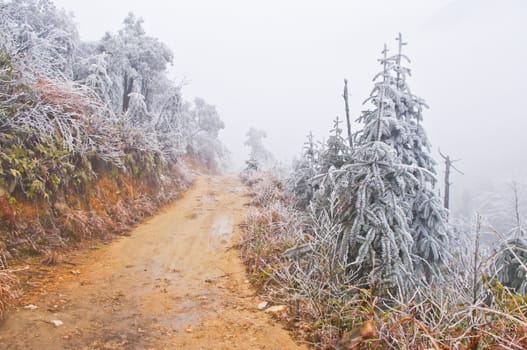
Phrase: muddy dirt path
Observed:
(175, 283)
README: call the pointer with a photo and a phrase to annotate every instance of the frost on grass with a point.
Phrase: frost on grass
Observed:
(358, 235)
(95, 135)
(71, 111)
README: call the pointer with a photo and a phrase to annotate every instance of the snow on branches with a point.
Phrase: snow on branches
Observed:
(69, 103)
(394, 228)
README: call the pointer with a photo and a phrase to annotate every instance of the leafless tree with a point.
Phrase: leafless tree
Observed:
(449, 164)
(348, 117)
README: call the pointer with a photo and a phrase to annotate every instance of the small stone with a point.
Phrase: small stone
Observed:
(189, 330)
(277, 309)
(263, 305)
(75, 272)
(56, 323)
(30, 307)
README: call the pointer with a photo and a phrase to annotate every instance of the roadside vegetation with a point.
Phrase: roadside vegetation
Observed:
(94, 136)
(357, 243)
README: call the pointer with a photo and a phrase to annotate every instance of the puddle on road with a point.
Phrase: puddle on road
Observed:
(221, 230)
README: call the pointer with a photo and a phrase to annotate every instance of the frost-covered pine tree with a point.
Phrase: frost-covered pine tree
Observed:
(403, 130)
(376, 241)
(428, 218)
(429, 229)
(511, 258)
(301, 182)
(333, 154)
(511, 264)
(337, 150)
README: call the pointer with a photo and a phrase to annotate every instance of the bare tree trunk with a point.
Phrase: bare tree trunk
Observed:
(449, 164)
(476, 277)
(475, 281)
(346, 102)
(380, 106)
(145, 90)
(128, 84)
(125, 92)
(517, 209)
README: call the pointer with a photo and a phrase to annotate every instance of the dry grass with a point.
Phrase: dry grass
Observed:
(329, 311)
(8, 284)
(51, 257)
(42, 231)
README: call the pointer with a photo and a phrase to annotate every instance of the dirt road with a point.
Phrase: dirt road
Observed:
(173, 284)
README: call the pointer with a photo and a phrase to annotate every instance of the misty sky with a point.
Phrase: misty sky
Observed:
(279, 66)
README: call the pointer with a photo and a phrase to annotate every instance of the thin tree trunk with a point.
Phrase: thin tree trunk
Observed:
(128, 84)
(125, 92)
(346, 102)
(448, 164)
(146, 93)
(517, 209)
(475, 281)
(380, 107)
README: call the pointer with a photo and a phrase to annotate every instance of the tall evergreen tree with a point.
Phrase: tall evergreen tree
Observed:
(376, 240)
(334, 153)
(402, 129)
(428, 219)
(393, 219)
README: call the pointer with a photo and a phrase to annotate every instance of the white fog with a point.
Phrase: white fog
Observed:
(239, 174)
(279, 66)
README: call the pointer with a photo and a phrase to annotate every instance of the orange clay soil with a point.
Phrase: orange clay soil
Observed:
(175, 283)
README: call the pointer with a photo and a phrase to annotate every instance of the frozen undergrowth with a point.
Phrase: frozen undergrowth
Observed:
(357, 242)
(94, 136)
(292, 258)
